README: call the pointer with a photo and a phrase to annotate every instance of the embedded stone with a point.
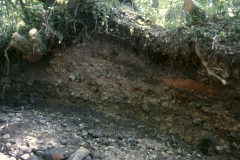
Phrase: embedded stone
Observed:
(146, 108)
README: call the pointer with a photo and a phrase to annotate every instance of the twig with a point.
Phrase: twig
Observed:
(49, 17)
(6, 55)
(39, 31)
(51, 11)
(41, 13)
(57, 34)
(93, 146)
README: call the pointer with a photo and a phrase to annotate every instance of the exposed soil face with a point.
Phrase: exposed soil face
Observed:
(174, 96)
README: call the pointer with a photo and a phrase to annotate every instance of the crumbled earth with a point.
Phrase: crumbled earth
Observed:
(57, 130)
(175, 96)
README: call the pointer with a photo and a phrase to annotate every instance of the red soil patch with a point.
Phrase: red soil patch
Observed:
(187, 84)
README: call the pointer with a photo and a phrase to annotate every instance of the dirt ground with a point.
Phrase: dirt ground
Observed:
(174, 97)
(54, 130)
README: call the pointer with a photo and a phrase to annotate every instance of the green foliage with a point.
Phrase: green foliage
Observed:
(13, 19)
(173, 14)
(67, 17)
(222, 8)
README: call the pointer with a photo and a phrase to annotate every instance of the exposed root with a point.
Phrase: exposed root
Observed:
(57, 34)
(205, 64)
(89, 36)
(6, 55)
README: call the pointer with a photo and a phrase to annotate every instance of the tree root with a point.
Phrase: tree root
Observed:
(205, 64)
(6, 55)
(55, 33)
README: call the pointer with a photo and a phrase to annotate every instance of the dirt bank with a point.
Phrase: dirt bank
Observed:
(174, 95)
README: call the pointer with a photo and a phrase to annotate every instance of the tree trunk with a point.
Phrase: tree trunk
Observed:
(196, 12)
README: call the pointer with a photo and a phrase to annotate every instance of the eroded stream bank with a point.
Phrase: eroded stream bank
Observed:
(174, 96)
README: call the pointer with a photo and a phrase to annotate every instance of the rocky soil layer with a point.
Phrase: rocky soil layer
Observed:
(174, 96)
(57, 130)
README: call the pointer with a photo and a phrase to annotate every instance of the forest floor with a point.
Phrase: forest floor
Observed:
(169, 110)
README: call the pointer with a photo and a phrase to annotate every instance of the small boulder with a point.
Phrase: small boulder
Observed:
(79, 154)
